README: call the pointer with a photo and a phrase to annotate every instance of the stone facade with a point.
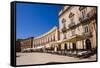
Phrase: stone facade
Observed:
(77, 26)
(18, 45)
(26, 43)
(47, 39)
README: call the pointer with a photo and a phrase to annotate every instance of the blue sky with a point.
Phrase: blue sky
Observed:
(35, 19)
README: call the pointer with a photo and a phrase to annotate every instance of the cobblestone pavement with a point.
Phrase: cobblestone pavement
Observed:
(42, 58)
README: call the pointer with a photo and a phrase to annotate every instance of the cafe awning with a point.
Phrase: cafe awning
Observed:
(72, 39)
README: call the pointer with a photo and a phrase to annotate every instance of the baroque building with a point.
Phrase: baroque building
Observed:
(77, 27)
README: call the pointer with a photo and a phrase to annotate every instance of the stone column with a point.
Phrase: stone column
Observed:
(55, 48)
(83, 44)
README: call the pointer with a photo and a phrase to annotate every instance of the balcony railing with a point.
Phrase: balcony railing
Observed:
(64, 29)
(87, 34)
(71, 25)
(83, 19)
(88, 16)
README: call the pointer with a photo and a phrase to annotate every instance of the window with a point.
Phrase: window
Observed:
(83, 14)
(64, 25)
(48, 39)
(73, 32)
(63, 20)
(64, 36)
(83, 11)
(71, 16)
(72, 20)
(53, 38)
(86, 28)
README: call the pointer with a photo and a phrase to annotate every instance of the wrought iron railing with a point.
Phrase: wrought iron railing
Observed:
(71, 25)
(64, 29)
(88, 16)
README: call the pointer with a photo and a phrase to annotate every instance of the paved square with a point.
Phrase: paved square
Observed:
(42, 58)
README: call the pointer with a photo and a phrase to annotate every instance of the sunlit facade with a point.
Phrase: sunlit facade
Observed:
(47, 40)
(77, 27)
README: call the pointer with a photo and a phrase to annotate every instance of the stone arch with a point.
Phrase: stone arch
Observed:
(65, 46)
(88, 44)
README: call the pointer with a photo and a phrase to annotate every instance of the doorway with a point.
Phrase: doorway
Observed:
(88, 44)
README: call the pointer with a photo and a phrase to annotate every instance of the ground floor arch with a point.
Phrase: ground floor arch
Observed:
(88, 44)
(65, 46)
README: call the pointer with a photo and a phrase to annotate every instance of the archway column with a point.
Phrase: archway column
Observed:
(83, 44)
(55, 48)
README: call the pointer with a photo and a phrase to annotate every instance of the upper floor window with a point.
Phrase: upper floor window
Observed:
(47, 39)
(53, 38)
(86, 29)
(73, 32)
(83, 11)
(72, 20)
(84, 14)
(71, 16)
(63, 20)
(65, 36)
(63, 25)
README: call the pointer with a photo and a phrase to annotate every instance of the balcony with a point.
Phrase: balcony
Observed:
(88, 16)
(64, 29)
(83, 19)
(87, 34)
(71, 25)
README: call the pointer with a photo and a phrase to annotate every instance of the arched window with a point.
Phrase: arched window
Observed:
(63, 20)
(86, 29)
(83, 11)
(71, 17)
